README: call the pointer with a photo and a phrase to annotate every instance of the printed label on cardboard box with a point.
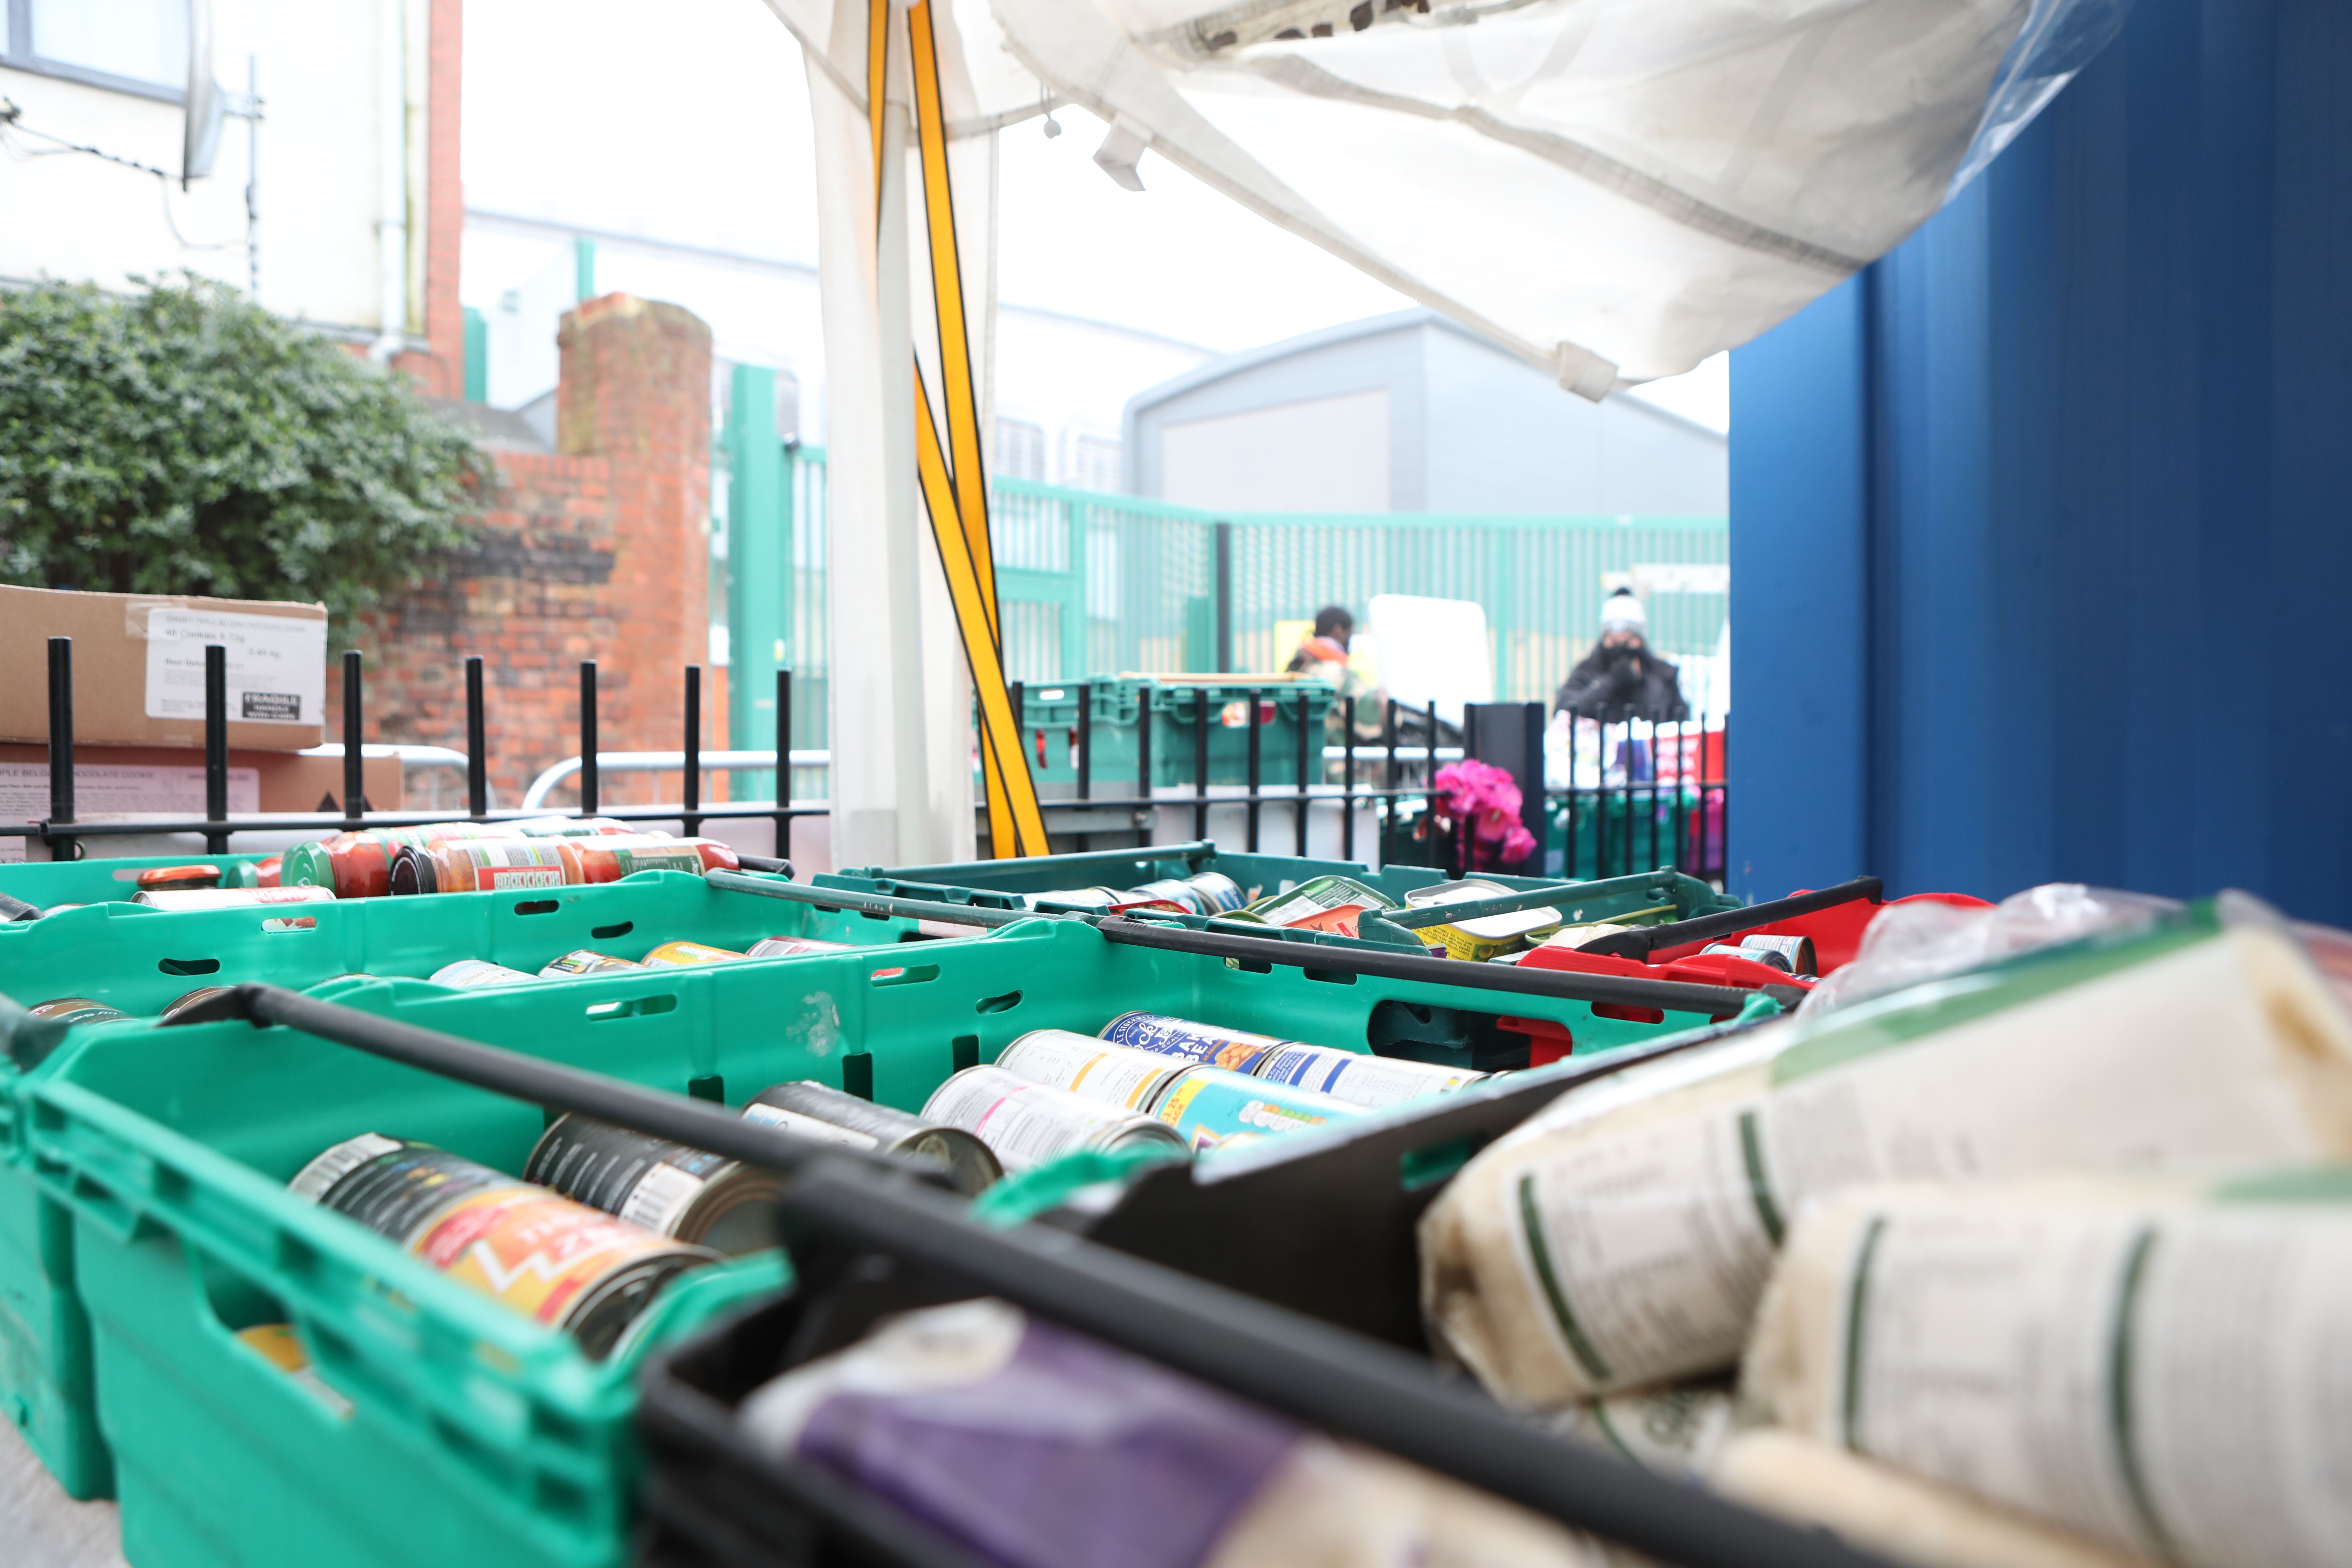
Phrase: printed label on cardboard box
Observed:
(110, 792)
(276, 665)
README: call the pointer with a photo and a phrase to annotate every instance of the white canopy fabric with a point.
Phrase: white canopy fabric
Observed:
(1613, 189)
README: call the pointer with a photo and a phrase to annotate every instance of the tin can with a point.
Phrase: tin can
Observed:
(1236, 1049)
(1316, 895)
(1763, 955)
(1482, 937)
(478, 974)
(229, 897)
(672, 1189)
(1115, 1075)
(1359, 1079)
(1090, 898)
(585, 961)
(1209, 893)
(793, 947)
(181, 1004)
(1798, 950)
(830, 1116)
(1027, 1124)
(1209, 1106)
(176, 878)
(680, 954)
(72, 1010)
(573, 1267)
(481, 865)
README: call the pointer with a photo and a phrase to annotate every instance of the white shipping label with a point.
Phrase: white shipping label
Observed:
(276, 665)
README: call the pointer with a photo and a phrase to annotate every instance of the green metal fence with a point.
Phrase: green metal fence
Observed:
(1092, 584)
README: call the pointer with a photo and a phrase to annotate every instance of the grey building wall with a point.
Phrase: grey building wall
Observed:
(1469, 428)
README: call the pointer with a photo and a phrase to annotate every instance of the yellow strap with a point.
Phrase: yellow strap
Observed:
(946, 285)
(957, 511)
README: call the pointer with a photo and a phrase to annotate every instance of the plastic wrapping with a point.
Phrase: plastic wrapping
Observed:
(1911, 943)
(2159, 1370)
(1623, 1237)
(1037, 1448)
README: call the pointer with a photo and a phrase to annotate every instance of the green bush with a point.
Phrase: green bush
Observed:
(182, 440)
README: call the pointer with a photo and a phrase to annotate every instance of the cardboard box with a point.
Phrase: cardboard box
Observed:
(115, 779)
(139, 669)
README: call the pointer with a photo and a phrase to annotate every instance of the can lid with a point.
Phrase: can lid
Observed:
(306, 866)
(412, 872)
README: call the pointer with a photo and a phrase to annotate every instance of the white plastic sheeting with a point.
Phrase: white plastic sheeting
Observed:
(1613, 189)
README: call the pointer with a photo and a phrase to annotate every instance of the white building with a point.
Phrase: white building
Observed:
(338, 167)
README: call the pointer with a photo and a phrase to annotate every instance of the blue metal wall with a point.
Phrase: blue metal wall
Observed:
(2041, 528)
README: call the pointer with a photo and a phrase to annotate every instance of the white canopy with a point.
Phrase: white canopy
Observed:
(1614, 189)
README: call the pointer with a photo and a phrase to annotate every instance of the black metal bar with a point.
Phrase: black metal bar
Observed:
(1256, 763)
(833, 899)
(1200, 762)
(691, 760)
(695, 1122)
(588, 793)
(1225, 598)
(1327, 1377)
(784, 790)
(215, 744)
(1716, 1001)
(354, 727)
(47, 829)
(952, 870)
(1347, 785)
(1637, 941)
(1303, 780)
(1143, 758)
(61, 744)
(1085, 752)
(478, 745)
(1389, 822)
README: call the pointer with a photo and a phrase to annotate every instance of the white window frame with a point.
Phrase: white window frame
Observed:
(20, 27)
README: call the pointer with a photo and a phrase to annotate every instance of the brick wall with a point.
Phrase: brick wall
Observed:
(596, 552)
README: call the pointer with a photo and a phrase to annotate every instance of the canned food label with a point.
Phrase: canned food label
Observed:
(229, 897)
(1025, 1123)
(685, 857)
(1113, 1074)
(1798, 950)
(531, 1249)
(809, 1126)
(681, 953)
(1358, 1079)
(1235, 1049)
(501, 878)
(585, 961)
(321, 1174)
(793, 946)
(474, 974)
(662, 1195)
(1209, 1111)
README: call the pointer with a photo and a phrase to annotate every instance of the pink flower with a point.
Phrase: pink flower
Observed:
(1488, 799)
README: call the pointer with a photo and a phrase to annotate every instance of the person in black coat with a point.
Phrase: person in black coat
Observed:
(1620, 678)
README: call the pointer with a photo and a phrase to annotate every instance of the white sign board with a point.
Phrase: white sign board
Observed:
(1433, 653)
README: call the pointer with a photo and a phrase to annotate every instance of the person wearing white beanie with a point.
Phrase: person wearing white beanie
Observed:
(1620, 678)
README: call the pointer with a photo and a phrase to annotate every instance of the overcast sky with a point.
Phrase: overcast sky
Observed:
(689, 121)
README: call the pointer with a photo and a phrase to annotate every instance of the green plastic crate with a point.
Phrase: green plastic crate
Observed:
(969, 881)
(48, 882)
(1121, 704)
(168, 1147)
(140, 960)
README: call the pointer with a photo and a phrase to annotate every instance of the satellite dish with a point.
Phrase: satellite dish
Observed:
(200, 137)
